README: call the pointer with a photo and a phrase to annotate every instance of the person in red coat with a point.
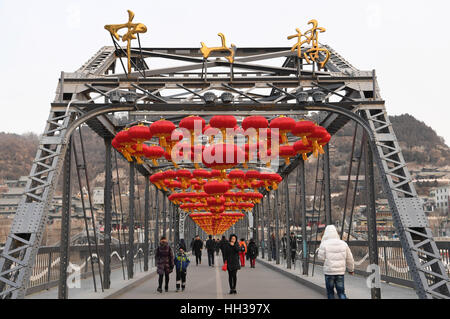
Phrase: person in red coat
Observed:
(243, 251)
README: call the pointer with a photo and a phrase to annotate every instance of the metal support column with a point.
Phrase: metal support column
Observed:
(326, 176)
(107, 196)
(269, 235)
(303, 213)
(288, 224)
(157, 217)
(164, 212)
(130, 261)
(146, 221)
(371, 214)
(63, 292)
(263, 225)
(277, 208)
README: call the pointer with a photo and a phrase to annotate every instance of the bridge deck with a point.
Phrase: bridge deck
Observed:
(204, 282)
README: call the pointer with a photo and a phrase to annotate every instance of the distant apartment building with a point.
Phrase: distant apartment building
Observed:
(11, 195)
(441, 197)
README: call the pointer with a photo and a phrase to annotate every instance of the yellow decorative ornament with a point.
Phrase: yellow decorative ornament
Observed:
(133, 28)
(207, 51)
(311, 37)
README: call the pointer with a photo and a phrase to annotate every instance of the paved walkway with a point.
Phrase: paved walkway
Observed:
(355, 286)
(204, 282)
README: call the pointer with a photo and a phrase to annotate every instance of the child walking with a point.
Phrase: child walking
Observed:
(181, 263)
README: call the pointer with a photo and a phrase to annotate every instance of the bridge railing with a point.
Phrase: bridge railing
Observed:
(391, 260)
(45, 273)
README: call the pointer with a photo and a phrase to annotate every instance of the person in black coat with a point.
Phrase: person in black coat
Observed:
(293, 242)
(197, 249)
(222, 244)
(164, 261)
(210, 245)
(233, 262)
(252, 252)
(217, 246)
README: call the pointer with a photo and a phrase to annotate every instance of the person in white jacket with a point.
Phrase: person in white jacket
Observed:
(337, 257)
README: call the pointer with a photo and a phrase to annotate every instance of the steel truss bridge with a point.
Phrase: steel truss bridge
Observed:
(251, 85)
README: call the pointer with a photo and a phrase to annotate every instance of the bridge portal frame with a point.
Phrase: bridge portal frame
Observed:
(356, 90)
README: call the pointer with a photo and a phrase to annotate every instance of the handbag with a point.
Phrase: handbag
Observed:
(224, 267)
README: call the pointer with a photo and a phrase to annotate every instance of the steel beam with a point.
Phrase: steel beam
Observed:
(107, 196)
(302, 183)
(131, 197)
(157, 205)
(277, 207)
(146, 221)
(327, 186)
(63, 290)
(288, 223)
(371, 213)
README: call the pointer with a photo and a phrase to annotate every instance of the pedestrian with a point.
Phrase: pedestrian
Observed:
(164, 261)
(243, 251)
(223, 243)
(284, 244)
(181, 263)
(192, 244)
(232, 260)
(252, 252)
(217, 246)
(337, 257)
(183, 244)
(273, 246)
(197, 249)
(293, 242)
(210, 246)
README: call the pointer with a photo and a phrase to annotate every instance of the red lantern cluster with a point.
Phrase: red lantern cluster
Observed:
(217, 194)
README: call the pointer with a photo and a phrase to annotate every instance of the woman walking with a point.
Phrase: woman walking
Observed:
(232, 260)
(164, 261)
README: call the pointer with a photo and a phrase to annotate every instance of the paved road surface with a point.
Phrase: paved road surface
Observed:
(204, 282)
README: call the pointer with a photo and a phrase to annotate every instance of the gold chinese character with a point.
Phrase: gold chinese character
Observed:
(133, 28)
(311, 37)
(207, 51)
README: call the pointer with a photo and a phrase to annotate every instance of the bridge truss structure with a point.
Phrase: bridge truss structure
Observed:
(267, 81)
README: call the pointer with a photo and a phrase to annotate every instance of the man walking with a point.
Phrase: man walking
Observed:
(293, 242)
(210, 245)
(197, 249)
(337, 257)
(222, 245)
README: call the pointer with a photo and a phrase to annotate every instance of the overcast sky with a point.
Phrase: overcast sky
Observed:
(407, 42)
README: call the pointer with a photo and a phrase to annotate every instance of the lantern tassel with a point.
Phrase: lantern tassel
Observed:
(305, 140)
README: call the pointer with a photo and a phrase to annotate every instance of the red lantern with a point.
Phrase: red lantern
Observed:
(318, 133)
(222, 156)
(286, 152)
(284, 125)
(189, 124)
(138, 154)
(300, 148)
(184, 175)
(138, 134)
(303, 129)
(153, 153)
(222, 122)
(162, 129)
(216, 188)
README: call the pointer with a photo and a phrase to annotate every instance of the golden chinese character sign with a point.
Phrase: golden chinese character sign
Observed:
(206, 51)
(310, 37)
(133, 28)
